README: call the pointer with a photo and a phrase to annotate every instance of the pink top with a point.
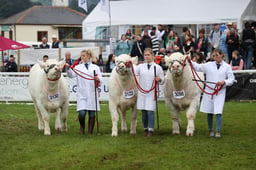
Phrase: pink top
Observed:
(240, 67)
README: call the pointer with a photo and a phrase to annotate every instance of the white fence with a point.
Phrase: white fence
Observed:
(14, 86)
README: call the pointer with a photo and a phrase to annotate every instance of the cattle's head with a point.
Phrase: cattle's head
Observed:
(176, 63)
(123, 63)
(52, 68)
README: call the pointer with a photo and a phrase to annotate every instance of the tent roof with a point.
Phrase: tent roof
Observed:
(153, 12)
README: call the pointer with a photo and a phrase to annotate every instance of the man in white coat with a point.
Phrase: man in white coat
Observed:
(86, 89)
(146, 102)
(220, 72)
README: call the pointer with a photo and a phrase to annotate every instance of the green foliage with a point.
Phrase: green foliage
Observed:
(22, 146)
(11, 7)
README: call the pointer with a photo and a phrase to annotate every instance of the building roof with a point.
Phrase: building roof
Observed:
(46, 15)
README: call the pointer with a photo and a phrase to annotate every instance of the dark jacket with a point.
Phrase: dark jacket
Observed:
(135, 50)
(235, 43)
(44, 47)
(55, 45)
(147, 41)
(248, 37)
(11, 67)
(204, 46)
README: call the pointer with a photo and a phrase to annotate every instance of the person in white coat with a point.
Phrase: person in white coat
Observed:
(220, 72)
(86, 89)
(146, 102)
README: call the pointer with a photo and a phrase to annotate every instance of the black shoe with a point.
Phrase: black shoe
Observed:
(146, 132)
(150, 133)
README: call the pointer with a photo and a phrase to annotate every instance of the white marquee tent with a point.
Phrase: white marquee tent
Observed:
(175, 12)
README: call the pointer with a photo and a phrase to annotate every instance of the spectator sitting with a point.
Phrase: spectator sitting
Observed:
(44, 44)
(110, 63)
(237, 62)
(11, 65)
(68, 60)
(124, 46)
(55, 42)
(45, 58)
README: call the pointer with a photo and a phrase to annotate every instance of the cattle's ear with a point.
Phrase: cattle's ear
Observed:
(61, 64)
(135, 60)
(41, 64)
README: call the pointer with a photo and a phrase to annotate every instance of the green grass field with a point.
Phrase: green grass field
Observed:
(22, 146)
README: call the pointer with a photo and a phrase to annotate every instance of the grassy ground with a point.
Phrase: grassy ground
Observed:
(22, 146)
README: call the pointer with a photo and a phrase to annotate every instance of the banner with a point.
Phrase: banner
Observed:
(14, 87)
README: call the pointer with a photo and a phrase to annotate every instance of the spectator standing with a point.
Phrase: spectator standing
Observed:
(55, 42)
(232, 43)
(124, 46)
(68, 60)
(201, 44)
(223, 45)
(183, 35)
(172, 43)
(188, 46)
(214, 37)
(248, 42)
(160, 32)
(6, 58)
(110, 63)
(138, 48)
(147, 28)
(237, 62)
(44, 44)
(154, 42)
(11, 65)
(129, 35)
(147, 40)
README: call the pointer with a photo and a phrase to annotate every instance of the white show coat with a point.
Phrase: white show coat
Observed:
(215, 105)
(146, 77)
(86, 88)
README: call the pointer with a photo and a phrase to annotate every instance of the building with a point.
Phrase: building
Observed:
(37, 22)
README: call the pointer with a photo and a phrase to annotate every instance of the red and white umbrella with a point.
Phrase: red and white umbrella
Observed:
(7, 44)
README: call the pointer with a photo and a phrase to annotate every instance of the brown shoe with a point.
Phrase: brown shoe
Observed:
(91, 123)
(150, 133)
(82, 130)
(146, 132)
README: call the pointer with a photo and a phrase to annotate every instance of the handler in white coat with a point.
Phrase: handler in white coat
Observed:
(220, 72)
(86, 90)
(146, 102)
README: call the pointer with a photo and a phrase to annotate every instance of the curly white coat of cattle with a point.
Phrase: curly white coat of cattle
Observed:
(123, 94)
(181, 93)
(50, 94)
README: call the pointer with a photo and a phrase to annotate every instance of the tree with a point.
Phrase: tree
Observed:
(11, 7)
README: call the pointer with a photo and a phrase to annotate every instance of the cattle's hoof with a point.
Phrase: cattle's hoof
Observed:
(132, 133)
(114, 134)
(175, 132)
(189, 134)
(64, 129)
(58, 129)
(47, 133)
(40, 129)
(124, 130)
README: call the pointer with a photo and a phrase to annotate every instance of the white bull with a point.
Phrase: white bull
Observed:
(50, 94)
(122, 94)
(181, 93)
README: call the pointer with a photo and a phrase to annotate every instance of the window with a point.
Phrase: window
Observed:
(41, 34)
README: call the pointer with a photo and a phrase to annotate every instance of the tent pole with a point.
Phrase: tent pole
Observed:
(18, 60)
(3, 59)
(59, 54)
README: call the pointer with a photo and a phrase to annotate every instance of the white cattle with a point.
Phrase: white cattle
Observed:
(50, 93)
(181, 93)
(123, 94)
